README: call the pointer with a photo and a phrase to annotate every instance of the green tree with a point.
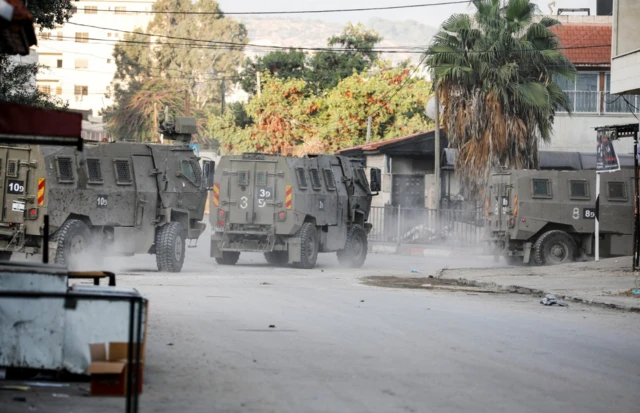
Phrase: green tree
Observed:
(49, 13)
(283, 64)
(494, 74)
(16, 85)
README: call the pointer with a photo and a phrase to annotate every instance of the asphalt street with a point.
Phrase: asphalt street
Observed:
(253, 338)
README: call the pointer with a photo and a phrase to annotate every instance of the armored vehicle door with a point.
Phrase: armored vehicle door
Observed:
(146, 192)
(14, 170)
(499, 202)
(252, 191)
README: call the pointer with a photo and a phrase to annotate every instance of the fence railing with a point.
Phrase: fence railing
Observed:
(452, 227)
(585, 101)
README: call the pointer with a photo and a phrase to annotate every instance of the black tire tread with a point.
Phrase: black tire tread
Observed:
(67, 229)
(228, 258)
(277, 257)
(538, 248)
(307, 262)
(345, 257)
(165, 236)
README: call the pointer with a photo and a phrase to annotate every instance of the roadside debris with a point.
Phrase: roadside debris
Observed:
(415, 271)
(272, 326)
(636, 292)
(60, 395)
(15, 388)
(551, 299)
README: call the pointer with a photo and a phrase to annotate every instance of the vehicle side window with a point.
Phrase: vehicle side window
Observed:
(12, 168)
(541, 188)
(243, 177)
(579, 189)
(64, 165)
(123, 171)
(617, 191)
(315, 178)
(302, 178)
(362, 177)
(261, 178)
(94, 171)
(191, 171)
(329, 179)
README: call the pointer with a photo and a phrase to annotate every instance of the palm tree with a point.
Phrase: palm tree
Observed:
(494, 73)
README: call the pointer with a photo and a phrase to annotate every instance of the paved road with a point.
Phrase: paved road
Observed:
(339, 346)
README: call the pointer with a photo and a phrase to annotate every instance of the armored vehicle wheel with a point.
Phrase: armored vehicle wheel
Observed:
(355, 249)
(308, 246)
(554, 247)
(277, 257)
(170, 247)
(73, 238)
(228, 258)
(5, 255)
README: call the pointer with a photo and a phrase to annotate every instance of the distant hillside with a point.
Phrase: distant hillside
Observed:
(314, 33)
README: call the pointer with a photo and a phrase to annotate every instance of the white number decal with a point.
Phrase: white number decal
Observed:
(589, 214)
(265, 194)
(16, 187)
(261, 203)
(244, 202)
(576, 213)
(102, 201)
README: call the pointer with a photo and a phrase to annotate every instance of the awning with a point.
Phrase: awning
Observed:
(26, 124)
(16, 28)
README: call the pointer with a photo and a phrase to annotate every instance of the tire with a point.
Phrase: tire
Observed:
(355, 249)
(170, 247)
(554, 247)
(228, 258)
(73, 238)
(5, 255)
(308, 246)
(277, 257)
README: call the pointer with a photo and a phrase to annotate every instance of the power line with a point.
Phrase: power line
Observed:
(247, 13)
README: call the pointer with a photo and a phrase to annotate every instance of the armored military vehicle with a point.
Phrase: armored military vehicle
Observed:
(120, 198)
(548, 217)
(291, 208)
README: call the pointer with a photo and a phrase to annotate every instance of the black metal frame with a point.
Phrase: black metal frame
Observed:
(133, 360)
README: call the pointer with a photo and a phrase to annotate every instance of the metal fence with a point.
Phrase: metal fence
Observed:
(586, 101)
(452, 227)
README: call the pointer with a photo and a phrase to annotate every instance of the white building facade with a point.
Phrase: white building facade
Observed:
(80, 58)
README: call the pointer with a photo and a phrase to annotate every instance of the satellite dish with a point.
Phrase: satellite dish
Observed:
(430, 109)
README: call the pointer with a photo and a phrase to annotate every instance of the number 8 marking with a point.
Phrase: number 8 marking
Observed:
(576, 213)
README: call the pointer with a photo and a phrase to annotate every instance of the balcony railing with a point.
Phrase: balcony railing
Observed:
(583, 101)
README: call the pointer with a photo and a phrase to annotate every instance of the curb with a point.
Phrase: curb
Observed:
(516, 289)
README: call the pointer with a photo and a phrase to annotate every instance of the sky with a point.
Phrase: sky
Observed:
(432, 16)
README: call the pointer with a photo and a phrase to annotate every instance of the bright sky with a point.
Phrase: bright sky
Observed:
(432, 16)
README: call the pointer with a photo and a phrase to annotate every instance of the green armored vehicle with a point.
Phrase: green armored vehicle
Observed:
(291, 208)
(119, 198)
(548, 217)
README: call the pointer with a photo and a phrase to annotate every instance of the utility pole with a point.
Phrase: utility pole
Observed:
(222, 92)
(436, 151)
(187, 106)
(369, 124)
(258, 85)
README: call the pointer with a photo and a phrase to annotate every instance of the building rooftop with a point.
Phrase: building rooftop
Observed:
(586, 44)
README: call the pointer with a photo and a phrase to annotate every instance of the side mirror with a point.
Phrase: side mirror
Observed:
(208, 171)
(375, 180)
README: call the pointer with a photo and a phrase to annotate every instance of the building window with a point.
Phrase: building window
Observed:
(123, 171)
(59, 36)
(302, 178)
(82, 37)
(541, 188)
(579, 190)
(82, 63)
(65, 169)
(121, 10)
(80, 90)
(90, 9)
(46, 89)
(58, 90)
(74, 10)
(45, 36)
(95, 171)
(618, 103)
(59, 63)
(583, 91)
(617, 191)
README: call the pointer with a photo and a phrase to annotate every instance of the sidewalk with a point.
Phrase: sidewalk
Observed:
(608, 283)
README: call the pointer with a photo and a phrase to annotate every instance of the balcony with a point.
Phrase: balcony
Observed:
(602, 102)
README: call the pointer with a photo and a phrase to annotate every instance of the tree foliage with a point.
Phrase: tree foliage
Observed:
(197, 67)
(494, 74)
(354, 53)
(290, 117)
(49, 13)
(16, 85)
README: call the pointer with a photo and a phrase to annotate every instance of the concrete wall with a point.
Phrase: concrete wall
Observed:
(625, 50)
(576, 133)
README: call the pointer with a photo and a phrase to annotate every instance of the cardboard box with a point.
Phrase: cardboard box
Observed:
(109, 370)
